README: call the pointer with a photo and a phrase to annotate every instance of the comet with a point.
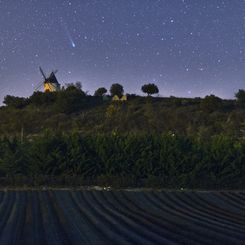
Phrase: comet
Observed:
(73, 44)
(68, 34)
(70, 38)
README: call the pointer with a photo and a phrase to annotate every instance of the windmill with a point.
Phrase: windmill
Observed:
(50, 83)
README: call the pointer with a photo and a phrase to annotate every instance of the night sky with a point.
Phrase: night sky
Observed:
(189, 48)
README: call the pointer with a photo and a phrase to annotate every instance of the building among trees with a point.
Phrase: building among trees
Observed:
(122, 98)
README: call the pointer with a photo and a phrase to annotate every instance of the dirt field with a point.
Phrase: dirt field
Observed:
(121, 217)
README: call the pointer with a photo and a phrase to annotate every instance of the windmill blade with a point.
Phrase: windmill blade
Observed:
(43, 74)
(38, 86)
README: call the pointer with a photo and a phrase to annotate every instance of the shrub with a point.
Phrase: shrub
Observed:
(116, 89)
(15, 102)
(100, 91)
(240, 96)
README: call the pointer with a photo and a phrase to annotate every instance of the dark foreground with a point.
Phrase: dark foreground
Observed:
(121, 217)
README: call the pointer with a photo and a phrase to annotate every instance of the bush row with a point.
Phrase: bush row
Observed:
(168, 160)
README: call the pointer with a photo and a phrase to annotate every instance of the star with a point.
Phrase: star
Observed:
(182, 44)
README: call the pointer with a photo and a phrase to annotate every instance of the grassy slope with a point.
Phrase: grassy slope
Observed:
(140, 114)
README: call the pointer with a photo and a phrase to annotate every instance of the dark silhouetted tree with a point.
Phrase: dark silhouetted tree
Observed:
(116, 89)
(150, 89)
(16, 102)
(240, 96)
(100, 91)
(211, 103)
(71, 100)
(77, 85)
(39, 98)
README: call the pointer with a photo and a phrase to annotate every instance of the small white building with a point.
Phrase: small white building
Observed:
(116, 98)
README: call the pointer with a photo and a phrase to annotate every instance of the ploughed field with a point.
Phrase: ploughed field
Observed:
(121, 217)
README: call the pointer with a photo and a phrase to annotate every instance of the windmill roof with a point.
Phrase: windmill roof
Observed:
(51, 79)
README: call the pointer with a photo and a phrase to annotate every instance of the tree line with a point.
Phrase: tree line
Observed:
(117, 89)
(73, 91)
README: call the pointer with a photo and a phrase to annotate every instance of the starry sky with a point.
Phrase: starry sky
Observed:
(189, 48)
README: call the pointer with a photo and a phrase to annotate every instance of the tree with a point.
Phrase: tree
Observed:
(16, 102)
(240, 96)
(150, 89)
(77, 85)
(100, 91)
(211, 103)
(116, 89)
(71, 100)
(40, 99)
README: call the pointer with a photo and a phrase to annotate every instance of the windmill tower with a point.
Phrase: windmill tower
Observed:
(50, 83)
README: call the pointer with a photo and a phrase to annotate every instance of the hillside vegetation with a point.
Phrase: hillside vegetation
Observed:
(72, 110)
(144, 141)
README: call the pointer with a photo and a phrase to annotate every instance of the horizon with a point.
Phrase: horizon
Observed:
(141, 94)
